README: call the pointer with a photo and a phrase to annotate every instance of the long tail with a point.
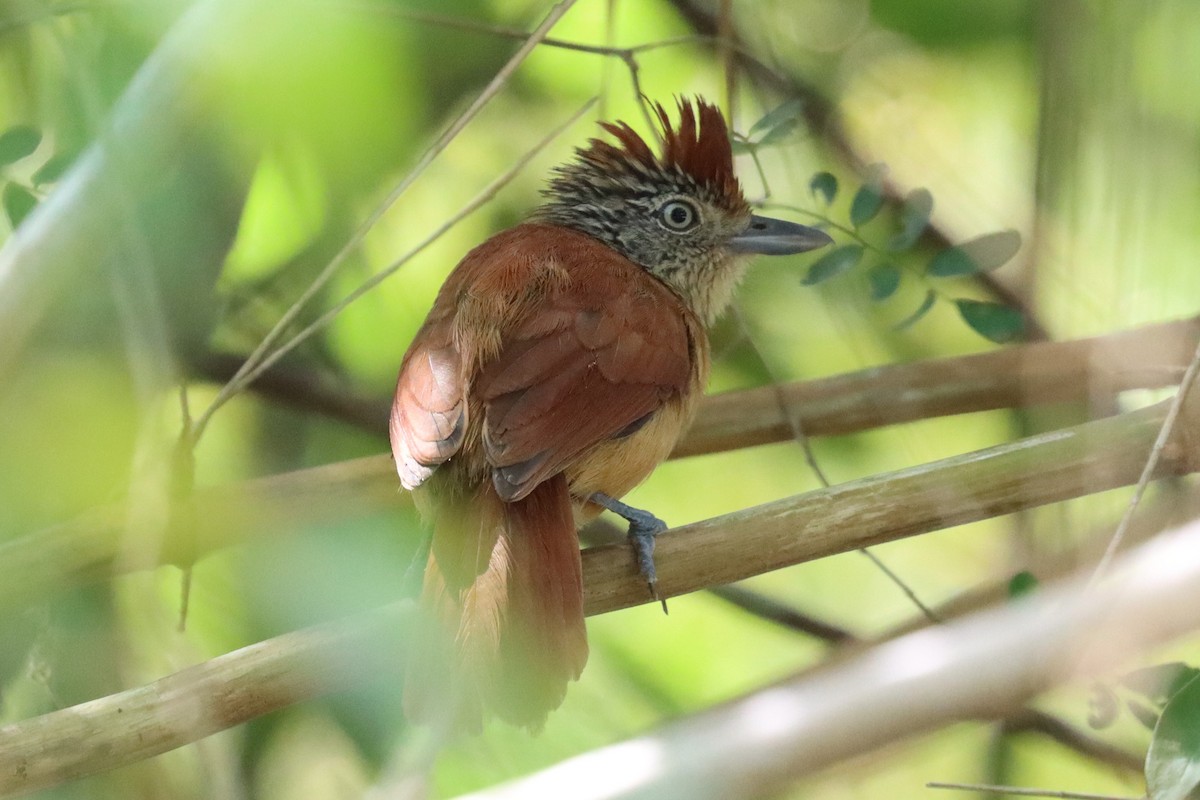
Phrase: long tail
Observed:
(504, 591)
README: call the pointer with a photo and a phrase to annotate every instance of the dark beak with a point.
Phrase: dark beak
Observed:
(775, 237)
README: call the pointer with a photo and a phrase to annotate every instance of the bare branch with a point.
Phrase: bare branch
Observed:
(1014, 377)
(1043, 469)
(197, 702)
(980, 668)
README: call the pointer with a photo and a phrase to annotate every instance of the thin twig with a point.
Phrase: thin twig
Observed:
(799, 436)
(484, 196)
(1023, 791)
(258, 356)
(1156, 452)
(772, 610)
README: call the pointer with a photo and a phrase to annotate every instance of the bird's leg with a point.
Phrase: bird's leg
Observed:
(643, 527)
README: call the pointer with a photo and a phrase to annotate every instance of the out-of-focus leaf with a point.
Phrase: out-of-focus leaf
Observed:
(824, 185)
(1173, 761)
(18, 202)
(835, 262)
(866, 204)
(741, 148)
(982, 254)
(1022, 584)
(18, 142)
(885, 280)
(1160, 682)
(922, 310)
(786, 116)
(53, 169)
(914, 217)
(992, 320)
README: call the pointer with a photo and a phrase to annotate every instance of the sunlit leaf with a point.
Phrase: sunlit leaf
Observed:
(787, 115)
(18, 142)
(914, 217)
(1173, 761)
(18, 202)
(994, 321)
(922, 310)
(834, 262)
(885, 280)
(1022, 584)
(53, 169)
(741, 148)
(824, 185)
(982, 254)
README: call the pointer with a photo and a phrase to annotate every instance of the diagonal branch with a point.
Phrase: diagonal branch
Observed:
(980, 668)
(88, 547)
(983, 667)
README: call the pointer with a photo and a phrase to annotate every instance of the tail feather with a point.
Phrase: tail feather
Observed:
(509, 638)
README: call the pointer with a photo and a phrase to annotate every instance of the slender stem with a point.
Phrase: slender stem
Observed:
(1152, 461)
(259, 355)
(1023, 791)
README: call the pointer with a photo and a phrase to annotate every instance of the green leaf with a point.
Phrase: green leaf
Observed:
(785, 116)
(914, 217)
(825, 185)
(866, 204)
(982, 254)
(992, 320)
(1022, 584)
(53, 169)
(18, 142)
(741, 148)
(834, 262)
(922, 310)
(1173, 761)
(885, 280)
(18, 202)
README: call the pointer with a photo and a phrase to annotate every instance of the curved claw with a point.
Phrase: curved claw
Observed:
(643, 528)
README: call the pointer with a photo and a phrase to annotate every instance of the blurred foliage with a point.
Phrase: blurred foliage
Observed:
(1072, 123)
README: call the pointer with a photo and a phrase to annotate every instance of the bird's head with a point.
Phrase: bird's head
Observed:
(681, 216)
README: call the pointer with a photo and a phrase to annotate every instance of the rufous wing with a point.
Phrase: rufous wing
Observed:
(429, 412)
(596, 357)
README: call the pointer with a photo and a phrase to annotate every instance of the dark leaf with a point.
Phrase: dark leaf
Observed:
(1173, 761)
(992, 320)
(983, 254)
(922, 310)
(834, 262)
(885, 280)
(914, 217)
(18, 142)
(824, 185)
(18, 202)
(53, 169)
(866, 204)
(786, 116)
(1022, 584)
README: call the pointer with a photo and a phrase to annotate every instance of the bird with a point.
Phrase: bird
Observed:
(559, 364)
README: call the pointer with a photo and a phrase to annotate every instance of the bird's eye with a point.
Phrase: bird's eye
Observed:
(678, 216)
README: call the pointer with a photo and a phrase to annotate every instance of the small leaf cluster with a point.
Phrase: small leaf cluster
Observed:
(995, 321)
(18, 198)
(776, 126)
